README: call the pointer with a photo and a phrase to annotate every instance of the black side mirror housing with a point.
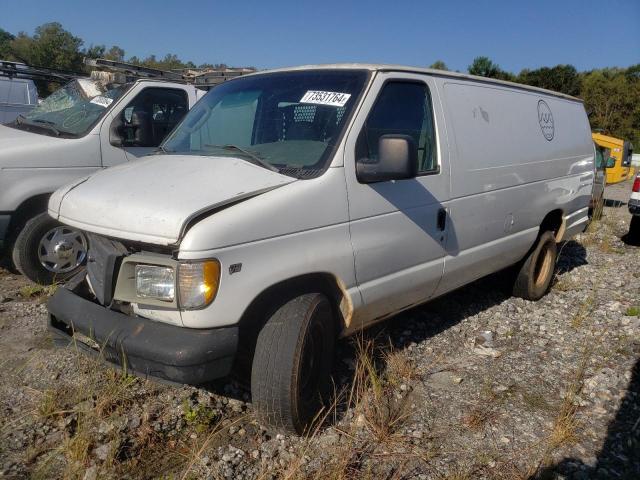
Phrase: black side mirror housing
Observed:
(115, 132)
(397, 160)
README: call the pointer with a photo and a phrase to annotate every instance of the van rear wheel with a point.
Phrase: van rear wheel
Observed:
(292, 363)
(535, 274)
(46, 251)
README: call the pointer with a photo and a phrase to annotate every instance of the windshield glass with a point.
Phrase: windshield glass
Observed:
(73, 109)
(289, 121)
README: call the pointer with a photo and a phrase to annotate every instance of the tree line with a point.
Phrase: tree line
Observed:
(611, 95)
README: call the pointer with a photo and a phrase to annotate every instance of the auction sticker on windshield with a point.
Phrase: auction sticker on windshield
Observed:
(334, 99)
(102, 101)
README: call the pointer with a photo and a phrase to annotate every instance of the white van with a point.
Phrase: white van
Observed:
(85, 126)
(295, 206)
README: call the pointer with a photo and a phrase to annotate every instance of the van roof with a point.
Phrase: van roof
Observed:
(429, 71)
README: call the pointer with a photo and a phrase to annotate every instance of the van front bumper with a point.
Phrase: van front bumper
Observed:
(144, 347)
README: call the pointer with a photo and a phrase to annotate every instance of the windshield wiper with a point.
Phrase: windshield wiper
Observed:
(256, 158)
(40, 123)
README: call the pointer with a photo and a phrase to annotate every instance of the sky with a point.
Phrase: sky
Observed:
(515, 34)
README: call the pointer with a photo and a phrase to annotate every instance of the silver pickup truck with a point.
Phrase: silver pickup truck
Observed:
(85, 126)
(295, 206)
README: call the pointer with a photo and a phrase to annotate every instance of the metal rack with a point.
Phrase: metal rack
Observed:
(122, 72)
(198, 77)
(21, 70)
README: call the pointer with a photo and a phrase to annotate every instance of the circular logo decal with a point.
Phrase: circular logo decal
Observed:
(545, 118)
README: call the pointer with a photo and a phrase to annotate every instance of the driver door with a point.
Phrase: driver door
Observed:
(399, 228)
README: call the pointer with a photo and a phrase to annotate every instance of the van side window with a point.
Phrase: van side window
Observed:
(152, 114)
(401, 108)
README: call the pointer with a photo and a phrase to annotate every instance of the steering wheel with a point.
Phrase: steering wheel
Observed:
(74, 119)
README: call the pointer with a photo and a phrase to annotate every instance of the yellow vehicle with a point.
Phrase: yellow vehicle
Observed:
(621, 150)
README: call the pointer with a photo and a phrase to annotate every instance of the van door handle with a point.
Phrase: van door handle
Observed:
(442, 219)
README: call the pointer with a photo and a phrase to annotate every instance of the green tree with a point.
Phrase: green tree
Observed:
(612, 100)
(95, 51)
(51, 46)
(439, 65)
(5, 45)
(115, 53)
(484, 67)
(561, 78)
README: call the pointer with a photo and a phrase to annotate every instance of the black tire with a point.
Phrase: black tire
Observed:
(536, 272)
(290, 375)
(634, 230)
(25, 251)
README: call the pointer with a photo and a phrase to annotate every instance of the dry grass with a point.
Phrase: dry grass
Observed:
(565, 428)
(34, 290)
(99, 396)
(585, 308)
(565, 283)
(377, 405)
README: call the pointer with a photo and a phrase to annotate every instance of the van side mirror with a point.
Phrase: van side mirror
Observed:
(115, 132)
(397, 160)
(611, 162)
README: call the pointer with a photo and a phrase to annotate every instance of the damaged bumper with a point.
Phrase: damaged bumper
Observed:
(144, 347)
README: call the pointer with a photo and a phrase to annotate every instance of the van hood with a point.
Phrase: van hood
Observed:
(152, 200)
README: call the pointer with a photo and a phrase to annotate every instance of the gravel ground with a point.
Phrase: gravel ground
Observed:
(473, 385)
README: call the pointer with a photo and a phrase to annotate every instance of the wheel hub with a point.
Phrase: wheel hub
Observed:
(62, 249)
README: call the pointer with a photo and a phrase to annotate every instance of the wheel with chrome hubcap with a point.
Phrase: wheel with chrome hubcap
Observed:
(62, 250)
(46, 251)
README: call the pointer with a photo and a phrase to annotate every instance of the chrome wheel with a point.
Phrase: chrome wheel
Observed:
(62, 249)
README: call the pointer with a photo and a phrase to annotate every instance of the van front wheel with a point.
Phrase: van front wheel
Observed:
(535, 274)
(292, 363)
(46, 251)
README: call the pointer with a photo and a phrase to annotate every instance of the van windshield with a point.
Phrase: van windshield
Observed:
(72, 110)
(289, 121)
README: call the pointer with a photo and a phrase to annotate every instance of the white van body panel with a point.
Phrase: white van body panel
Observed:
(507, 176)
(396, 221)
(292, 238)
(30, 164)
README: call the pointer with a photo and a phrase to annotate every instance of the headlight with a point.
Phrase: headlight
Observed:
(198, 283)
(155, 282)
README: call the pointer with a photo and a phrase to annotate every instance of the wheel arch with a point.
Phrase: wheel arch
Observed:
(267, 301)
(553, 221)
(28, 209)
(280, 292)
